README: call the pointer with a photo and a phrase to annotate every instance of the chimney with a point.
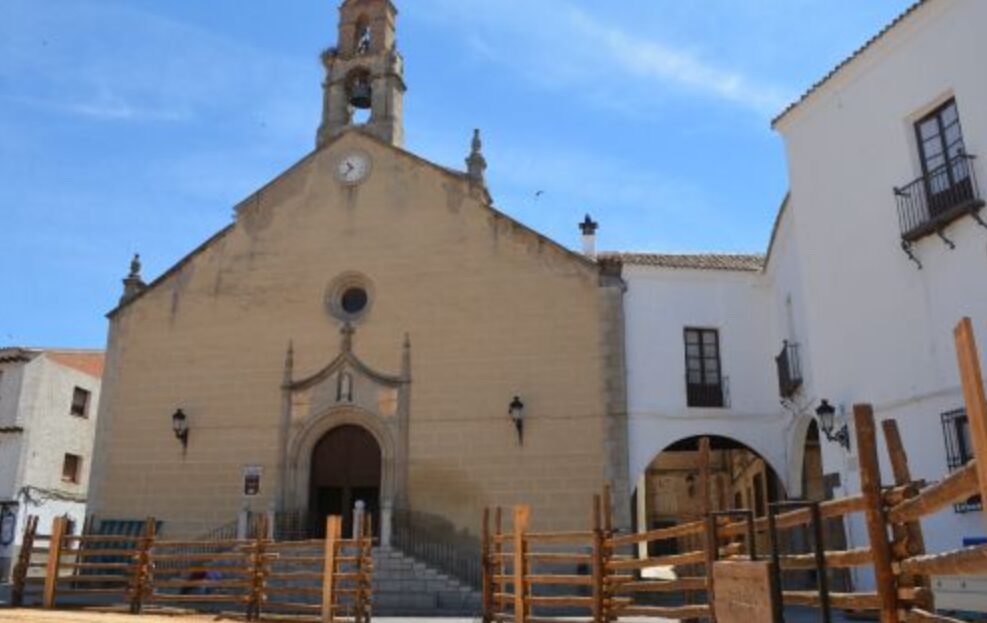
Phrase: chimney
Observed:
(589, 227)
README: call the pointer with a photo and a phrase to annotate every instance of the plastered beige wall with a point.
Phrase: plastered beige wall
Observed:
(491, 309)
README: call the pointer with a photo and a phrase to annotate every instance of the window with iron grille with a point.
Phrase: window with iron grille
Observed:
(959, 451)
(704, 381)
(80, 402)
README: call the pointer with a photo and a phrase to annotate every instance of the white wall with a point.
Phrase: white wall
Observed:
(659, 304)
(879, 330)
(39, 400)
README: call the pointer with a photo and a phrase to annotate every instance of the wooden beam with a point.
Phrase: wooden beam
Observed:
(969, 561)
(917, 615)
(972, 379)
(334, 530)
(956, 487)
(711, 546)
(870, 488)
(487, 569)
(54, 560)
(599, 564)
(521, 516)
(908, 535)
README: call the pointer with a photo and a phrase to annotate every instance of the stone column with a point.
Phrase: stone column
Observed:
(359, 512)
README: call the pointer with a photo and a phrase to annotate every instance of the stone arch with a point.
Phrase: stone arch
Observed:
(649, 437)
(303, 442)
(796, 454)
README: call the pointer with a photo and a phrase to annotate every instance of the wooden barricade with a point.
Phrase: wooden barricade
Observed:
(540, 577)
(249, 575)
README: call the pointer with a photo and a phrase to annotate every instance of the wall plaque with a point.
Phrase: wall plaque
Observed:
(743, 592)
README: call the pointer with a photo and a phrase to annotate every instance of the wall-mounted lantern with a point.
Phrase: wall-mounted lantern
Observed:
(827, 422)
(516, 411)
(179, 425)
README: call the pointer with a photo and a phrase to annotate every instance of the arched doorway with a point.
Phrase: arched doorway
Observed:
(669, 491)
(345, 468)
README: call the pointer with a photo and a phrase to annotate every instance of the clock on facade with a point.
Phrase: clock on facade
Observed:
(353, 167)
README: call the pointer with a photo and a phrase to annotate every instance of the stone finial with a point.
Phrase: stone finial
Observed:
(347, 332)
(476, 164)
(289, 363)
(133, 284)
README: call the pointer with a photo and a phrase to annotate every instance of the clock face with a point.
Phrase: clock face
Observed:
(353, 167)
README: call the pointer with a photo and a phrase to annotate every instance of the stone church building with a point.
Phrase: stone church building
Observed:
(368, 328)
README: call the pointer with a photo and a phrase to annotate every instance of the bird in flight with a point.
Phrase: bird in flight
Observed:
(539, 194)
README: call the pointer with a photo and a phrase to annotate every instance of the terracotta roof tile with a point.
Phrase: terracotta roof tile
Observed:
(700, 261)
(87, 362)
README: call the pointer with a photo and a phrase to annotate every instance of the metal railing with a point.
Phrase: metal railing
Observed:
(708, 395)
(789, 369)
(435, 541)
(939, 197)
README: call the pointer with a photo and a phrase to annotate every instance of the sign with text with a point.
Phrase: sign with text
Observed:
(742, 592)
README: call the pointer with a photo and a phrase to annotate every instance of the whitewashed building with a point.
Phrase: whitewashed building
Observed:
(48, 406)
(878, 251)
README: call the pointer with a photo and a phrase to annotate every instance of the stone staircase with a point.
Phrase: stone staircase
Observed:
(404, 586)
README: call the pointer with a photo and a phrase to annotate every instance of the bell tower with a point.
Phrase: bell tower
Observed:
(364, 74)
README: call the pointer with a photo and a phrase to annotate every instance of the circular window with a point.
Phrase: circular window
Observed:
(349, 296)
(354, 300)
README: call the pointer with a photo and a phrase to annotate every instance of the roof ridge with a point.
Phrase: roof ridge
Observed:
(849, 59)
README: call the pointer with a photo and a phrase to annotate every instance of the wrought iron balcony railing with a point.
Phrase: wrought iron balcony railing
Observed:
(789, 369)
(710, 395)
(944, 194)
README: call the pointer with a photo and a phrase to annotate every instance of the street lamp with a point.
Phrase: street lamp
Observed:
(179, 425)
(827, 422)
(516, 411)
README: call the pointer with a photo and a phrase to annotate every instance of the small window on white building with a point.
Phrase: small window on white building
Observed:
(71, 468)
(959, 451)
(80, 402)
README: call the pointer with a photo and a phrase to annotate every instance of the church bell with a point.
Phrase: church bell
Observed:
(361, 95)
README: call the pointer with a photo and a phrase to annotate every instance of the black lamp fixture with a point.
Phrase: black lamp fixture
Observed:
(179, 425)
(516, 411)
(827, 422)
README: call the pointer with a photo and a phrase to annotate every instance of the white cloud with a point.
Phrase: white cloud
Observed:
(557, 45)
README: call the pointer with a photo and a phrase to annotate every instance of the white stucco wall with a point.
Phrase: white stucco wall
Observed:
(37, 396)
(659, 304)
(878, 329)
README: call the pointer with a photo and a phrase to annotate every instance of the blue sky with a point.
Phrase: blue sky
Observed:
(136, 125)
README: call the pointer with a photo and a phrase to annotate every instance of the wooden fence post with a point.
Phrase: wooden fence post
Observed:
(599, 597)
(521, 516)
(972, 377)
(499, 567)
(54, 560)
(334, 528)
(487, 569)
(142, 566)
(710, 528)
(19, 578)
(258, 569)
(910, 534)
(366, 568)
(870, 487)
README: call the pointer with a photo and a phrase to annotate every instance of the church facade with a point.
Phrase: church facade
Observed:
(369, 328)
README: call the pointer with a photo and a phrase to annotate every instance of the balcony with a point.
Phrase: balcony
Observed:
(938, 198)
(789, 369)
(708, 395)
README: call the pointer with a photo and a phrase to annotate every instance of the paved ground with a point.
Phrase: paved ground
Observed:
(792, 615)
(41, 616)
